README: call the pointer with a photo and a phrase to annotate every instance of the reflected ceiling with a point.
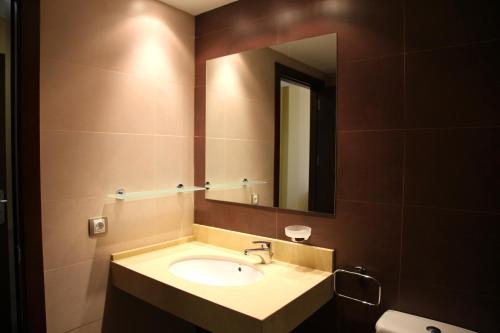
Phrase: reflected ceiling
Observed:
(196, 7)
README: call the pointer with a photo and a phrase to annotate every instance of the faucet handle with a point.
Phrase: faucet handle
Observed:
(264, 244)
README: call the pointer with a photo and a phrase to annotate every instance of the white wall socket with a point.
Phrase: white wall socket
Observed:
(255, 199)
(98, 226)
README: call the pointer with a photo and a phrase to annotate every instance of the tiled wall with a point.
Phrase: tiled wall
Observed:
(117, 82)
(418, 134)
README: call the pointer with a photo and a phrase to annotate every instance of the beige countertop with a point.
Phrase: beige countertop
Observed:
(285, 295)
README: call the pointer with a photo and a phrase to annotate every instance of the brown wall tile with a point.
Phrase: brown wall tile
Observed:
(199, 111)
(200, 72)
(370, 166)
(454, 169)
(243, 218)
(433, 24)
(453, 87)
(199, 157)
(366, 29)
(244, 36)
(373, 228)
(380, 83)
(451, 249)
(238, 13)
(450, 306)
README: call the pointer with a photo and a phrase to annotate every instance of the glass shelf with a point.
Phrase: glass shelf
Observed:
(229, 186)
(122, 195)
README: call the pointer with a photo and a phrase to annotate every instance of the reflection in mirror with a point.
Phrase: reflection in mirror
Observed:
(270, 126)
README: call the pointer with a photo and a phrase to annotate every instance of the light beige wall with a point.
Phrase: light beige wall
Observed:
(240, 121)
(295, 144)
(117, 83)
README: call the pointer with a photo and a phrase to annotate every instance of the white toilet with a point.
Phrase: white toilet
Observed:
(399, 322)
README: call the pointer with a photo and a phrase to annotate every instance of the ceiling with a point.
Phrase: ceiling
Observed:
(317, 52)
(195, 7)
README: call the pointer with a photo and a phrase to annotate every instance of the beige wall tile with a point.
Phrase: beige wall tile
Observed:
(216, 114)
(242, 75)
(95, 327)
(179, 23)
(249, 119)
(249, 159)
(230, 161)
(138, 223)
(82, 164)
(75, 295)
(127, 36)
(174, 161)
(215, 170)
(131, 224)
(80, 20)
(175, 110)
(175, 215)
(65, 231)
(75, 97)
(244, 194)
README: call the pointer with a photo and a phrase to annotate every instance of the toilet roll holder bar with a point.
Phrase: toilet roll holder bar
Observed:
(360, 271)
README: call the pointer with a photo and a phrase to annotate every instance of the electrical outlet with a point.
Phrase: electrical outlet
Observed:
(98, 226)
(255, 199)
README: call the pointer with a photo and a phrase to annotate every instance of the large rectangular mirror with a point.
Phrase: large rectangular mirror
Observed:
(270, 126)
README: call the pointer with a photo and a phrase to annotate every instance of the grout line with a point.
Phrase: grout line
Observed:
(266, 101)
(371, 130)
(384, 57)
(242, 140)
(370, 202)
(81, 326)
(68, 199)
(102, 257)
(459, 45)
(451, 128)
(403, 176)
(418, 128)
(115, 133)
(456, 210)
(150, 79)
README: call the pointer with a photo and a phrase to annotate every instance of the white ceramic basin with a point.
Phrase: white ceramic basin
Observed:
(216, 271)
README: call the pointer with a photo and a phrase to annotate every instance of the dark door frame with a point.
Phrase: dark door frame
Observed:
(26, 201)
(283, 72)
(6, 258)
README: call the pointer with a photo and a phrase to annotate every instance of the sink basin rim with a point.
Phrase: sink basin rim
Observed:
(258, 273)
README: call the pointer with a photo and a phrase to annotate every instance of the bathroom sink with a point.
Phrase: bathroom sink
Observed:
(216, 271)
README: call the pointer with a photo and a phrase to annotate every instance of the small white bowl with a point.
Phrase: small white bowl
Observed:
(298, 233)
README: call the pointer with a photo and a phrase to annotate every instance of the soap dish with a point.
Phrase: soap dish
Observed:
(298, 233)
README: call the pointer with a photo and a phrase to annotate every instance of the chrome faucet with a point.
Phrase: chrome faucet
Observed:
(264, 251)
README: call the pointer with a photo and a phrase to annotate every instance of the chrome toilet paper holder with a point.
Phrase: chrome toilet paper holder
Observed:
(360, 271)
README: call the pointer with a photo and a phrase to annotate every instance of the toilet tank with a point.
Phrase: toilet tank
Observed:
(399, 322)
